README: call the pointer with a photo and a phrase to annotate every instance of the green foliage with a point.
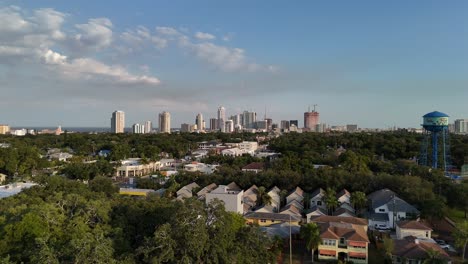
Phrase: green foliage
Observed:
(311, 235)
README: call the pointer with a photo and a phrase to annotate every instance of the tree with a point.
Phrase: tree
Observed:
(461, 237)
(263, 198)
(331, 200)
(433, 257)
(358, 199)
(311, 234)
(389, 246)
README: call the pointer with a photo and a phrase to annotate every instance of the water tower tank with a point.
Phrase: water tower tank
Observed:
(435, 121)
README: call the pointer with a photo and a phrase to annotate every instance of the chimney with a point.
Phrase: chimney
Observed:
(416, 241)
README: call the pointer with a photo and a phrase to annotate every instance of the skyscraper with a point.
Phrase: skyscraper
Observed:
(138, 129)
(229, 126)
(117, 122)
(249, 119)
(311, 119)
(284, 124)
(461, 126)
(200, 122)
(213, 124)
(165, 122)
(293, 122)
(148, 127)
(221, 118)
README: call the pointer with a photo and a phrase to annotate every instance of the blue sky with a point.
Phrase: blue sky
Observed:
(374, 63)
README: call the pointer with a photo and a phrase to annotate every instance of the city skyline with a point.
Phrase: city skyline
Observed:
(373, 64)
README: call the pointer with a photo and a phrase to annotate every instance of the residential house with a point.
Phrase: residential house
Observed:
(314, 211)
(344, 212)
(200, 167)
(266, 209)
(250, 198)
(232, 198)
(343, 238)
(233, 152)
(317, 199)
(267, 219)
(412, 250)
(60, 156)
(296, 195)
(136, 192)
(248, 147)
(254, 167)
(186, 191)
(208, 144)
(412, 228)
(344, 197)
(202, 193)
(274, 193)
(386, 208)
(291, 209)
(234, 186)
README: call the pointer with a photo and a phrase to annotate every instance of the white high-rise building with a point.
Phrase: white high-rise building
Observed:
(200, 122)
(249, 119)
(138, 129)
(148, 126)
(221, 118)
(461, 126)
(165, 122)
(118, 122)
(229, 126)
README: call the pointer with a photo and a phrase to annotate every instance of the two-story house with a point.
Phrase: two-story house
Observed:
(412, 250)
(275, 196)
(343, 238)
(231, 198)
(186, 191)
(386, 208)
(317, 199)
(296, 195)
(412, 228)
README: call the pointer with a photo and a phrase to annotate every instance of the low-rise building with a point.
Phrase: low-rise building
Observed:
(267, 219)
(187, 191)
(296, 195)
(411, 250)
(136, 192)
(412, 228)
(254, 167)
(231, 198)
(317, 199)
(343, 238)
(135, 168)
(200, 167)
(202, 193)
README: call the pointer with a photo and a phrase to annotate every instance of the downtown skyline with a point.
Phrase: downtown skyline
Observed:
(373, 64)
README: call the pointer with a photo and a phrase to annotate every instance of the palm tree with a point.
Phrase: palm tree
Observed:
(263, 198)
(461, 237)
(311, 234)
(358, 199)
(331, 200)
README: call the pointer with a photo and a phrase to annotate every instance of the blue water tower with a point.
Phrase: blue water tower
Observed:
(436, 141)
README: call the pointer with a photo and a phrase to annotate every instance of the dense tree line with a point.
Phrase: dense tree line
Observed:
(65, 221)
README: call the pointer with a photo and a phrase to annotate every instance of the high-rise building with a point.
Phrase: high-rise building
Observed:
(138, 129)
(165, 122)
(229, 126)
(213, 124)
(321, 128)
(461, 126)
(269, 123)
(261, 125)
(284, 124)
(351, 128)
(200, 122)
(4, 129)
(221, 118)
(118, 122)
(148, 126)
(311, 119)
(249, 119)
(236, 119)
(185, 127)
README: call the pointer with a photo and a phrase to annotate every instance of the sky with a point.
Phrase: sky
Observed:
(377, 64)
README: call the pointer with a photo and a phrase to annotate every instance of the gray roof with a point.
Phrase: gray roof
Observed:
(390, 198)
(273, 216)
(315, 208)
(281, 230)
(316, 192)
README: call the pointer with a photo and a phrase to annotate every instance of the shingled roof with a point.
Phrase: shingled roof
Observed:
(413, 248)
(413, 225)
(339, 219)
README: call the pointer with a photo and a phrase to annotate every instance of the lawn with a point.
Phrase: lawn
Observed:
(456, 215)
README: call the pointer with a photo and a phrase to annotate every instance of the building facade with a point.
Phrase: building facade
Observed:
(311, 119)
(138, 129)
(461, 126)
(231, 198)
(200, 122)
(221, 118)
(118, 122)
(4, 129)
(165, 122)
(148, 126)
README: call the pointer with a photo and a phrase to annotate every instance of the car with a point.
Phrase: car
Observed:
(382, 227)
(440, 241)
(445, 246)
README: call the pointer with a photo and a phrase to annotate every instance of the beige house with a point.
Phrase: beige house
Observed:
(412, 228)
(135, 168)
(186, 191)
(343, 238)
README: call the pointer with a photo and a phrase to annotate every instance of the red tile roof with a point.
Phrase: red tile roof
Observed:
(413, 225)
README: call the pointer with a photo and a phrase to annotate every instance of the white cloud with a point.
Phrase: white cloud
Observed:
(12, 21)
(167, 31)
(204, 36)
(140, 36)
(94, 35)
(88, 68)
(50, 21)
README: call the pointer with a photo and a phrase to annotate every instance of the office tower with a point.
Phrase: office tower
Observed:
(229, 126)
(4, 129)
(236, 119)
(148, 126)
(185, 127)
(165, 122)
(284, 124)
(293, 122)
(249, 119)
(221, 118)
(321, 128)
(461, 126)
(311, 119)
(213, 124)
(199, 122)
(138, 129)
(118, 122)
(269, 122)
(261, 125)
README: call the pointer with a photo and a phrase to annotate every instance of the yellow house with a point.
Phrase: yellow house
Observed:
(343, 238)
(267, 219)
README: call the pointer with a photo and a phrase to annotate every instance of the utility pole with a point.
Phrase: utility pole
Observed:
(290, 241)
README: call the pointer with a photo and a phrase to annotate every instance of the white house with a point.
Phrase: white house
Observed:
(233, 152)
(313, 212)
(344, 197)
(248, 147)
(387, 208)
(232, 198)
(296, 195)
(317, 199)
(134, 168)
(412, 228)
(274, 193)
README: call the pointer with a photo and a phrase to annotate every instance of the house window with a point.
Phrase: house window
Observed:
(381, 210)
(342, 240)
(427, 234)
(319, 203)
(263, 220)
